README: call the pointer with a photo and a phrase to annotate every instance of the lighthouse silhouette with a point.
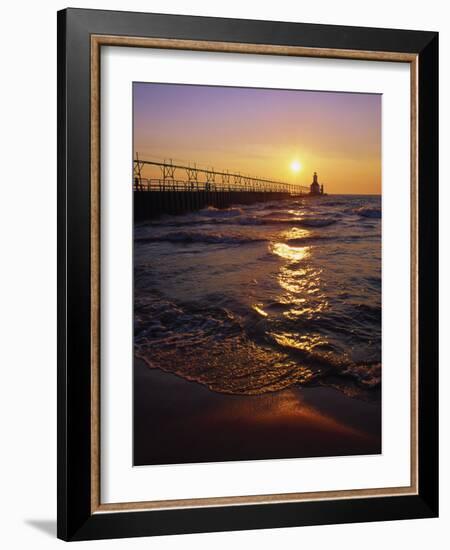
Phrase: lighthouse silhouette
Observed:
(315, 188)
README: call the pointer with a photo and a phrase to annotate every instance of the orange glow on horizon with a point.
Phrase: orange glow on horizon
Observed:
(284, 135)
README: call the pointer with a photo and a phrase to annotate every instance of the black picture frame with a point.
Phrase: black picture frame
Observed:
(75, 518)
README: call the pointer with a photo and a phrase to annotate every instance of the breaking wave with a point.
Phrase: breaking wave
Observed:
(299, 222)
(189, 237)
(226, 353)
(368, 212)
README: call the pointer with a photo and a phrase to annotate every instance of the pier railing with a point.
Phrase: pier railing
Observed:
(148, 184)
(204, 179)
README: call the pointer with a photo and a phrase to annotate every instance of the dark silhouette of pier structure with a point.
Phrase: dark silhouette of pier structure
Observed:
(185, 187)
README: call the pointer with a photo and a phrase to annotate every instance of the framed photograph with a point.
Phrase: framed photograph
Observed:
(247, 274)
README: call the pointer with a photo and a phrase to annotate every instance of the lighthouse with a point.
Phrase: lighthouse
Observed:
(315, 187)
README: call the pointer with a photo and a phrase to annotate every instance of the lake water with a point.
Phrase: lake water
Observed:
(254, 299)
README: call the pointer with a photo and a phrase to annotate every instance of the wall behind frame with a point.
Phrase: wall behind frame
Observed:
(28, 274)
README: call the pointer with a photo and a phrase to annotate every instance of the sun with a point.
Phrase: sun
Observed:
(296, 166)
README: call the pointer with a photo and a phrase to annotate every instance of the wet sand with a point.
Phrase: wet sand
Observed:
(176, 421)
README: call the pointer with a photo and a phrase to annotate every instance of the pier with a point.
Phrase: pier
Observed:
(184, 188)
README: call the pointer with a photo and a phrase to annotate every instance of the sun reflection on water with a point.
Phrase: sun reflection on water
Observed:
(293, 253)
(302, 291)
(300, 282)
(259, 310)
(303, 342)
(296, 233)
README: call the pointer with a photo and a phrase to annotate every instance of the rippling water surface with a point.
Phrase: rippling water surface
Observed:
(257, 298)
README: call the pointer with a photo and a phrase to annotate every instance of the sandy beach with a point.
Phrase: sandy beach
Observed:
(204, 426)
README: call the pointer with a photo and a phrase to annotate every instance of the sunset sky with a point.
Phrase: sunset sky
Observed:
(280, 134)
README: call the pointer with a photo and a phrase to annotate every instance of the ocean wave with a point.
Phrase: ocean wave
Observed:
(190, 237)
(229, 354)
(317, 222)
(274, 213)
(332, 238)
(366, 312)
(310, 239)
(299, 222)
(368, 212)
(213, 218)
(221, 212)
(331, 202)
(276, 204)
(367, 375)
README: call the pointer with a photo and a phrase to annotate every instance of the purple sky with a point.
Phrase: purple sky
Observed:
(262, 132)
